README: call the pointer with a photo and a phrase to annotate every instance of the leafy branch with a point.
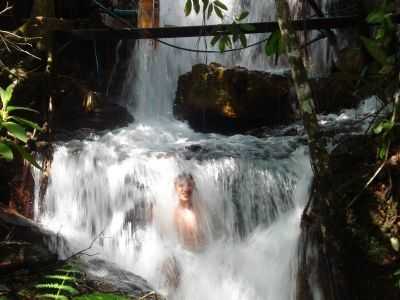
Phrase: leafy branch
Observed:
(13, 129)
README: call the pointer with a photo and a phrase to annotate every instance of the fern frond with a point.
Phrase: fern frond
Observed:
(57, 286)
(61, 277)
(74, 271)
(51, 296)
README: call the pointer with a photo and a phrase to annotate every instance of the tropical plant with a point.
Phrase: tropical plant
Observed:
(13, 129)
(382, 73)
(237, 30)
(61, 285)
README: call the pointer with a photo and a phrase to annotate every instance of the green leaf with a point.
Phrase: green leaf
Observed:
(12, 108)
(220, 5)
(215, 39)
(16, 131)
(188, 7)
(224, 42)
(6, 152)
(69, 271)
(221, 45)
(274, 45)
(247, 27)
(26, 122)
(6, 95)
(243, 40)
(57, 286)
(210, 10)
(61, 277)
(242, 16)
(384, 126)
(219, 12)
(196, 6)
(27, 156)
(376, 17)
(382, 151)
(374, 50)
(51, 296)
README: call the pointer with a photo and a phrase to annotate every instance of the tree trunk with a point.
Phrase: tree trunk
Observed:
(319, 253)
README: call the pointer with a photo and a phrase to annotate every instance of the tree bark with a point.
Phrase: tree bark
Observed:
(319, 248)
(318, 152)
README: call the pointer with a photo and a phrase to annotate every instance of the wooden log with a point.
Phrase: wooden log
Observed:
(210, 30)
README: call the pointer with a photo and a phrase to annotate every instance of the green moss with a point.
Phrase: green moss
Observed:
(100, 296)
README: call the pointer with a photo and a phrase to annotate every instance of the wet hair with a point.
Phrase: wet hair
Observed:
(184, 177)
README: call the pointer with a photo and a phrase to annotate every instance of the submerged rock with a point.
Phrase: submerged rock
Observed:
(26, 258)
(213, 98)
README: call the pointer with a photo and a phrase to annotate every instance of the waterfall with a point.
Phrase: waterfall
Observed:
(117, 189)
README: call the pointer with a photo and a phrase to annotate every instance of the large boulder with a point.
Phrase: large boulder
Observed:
(213, 98)
(231, 100)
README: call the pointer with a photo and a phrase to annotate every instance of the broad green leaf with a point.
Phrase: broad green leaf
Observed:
(374, 50)
(27, 156)
(219, 12)
(247, 27)
(188, 7)
(12, 108)
(242, 16)
(220, 5)
(26, 122)
(6, 95)
(196, 6)
(6, 152)
(57, 286)
(224, 42)
(210, 10)
(16, 131)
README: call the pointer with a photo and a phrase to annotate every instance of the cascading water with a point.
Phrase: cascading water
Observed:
(250, 191)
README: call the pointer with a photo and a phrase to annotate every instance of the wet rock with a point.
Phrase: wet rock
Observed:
(213, 98)
(106, 277)
(23, 243)
(333, 94)
(71, 104)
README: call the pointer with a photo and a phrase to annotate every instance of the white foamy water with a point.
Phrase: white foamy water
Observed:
(250, 192)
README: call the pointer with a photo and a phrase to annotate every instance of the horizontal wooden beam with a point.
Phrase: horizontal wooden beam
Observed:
(210, 30)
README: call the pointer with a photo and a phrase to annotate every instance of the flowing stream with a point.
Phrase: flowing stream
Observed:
(250, 191)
